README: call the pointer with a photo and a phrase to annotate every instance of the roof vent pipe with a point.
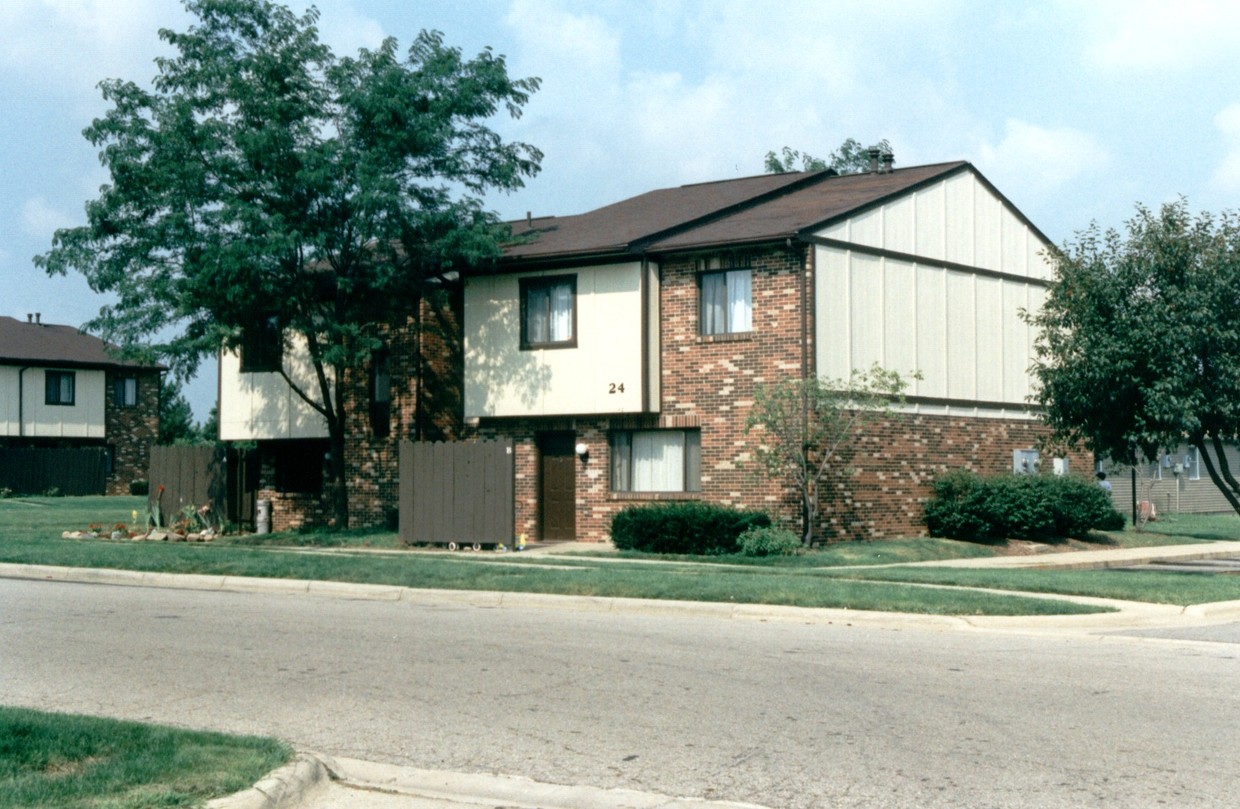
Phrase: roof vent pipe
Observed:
(38, 318)
(874, 153)
(29, 318)
(888, 159)
(529, 219)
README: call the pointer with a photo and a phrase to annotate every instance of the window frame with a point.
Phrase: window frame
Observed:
(547, 282)
(381, 392)
(262, 346)
(620, 448)
(58, 399)
(123, 386)
(721, 266)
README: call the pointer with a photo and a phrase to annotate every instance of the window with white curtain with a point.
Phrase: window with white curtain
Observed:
(549, 312)
(727, 301)
(656, 461)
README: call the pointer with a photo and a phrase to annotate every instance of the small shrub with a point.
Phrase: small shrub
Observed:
(683, 527)
(770, 541)
(52, 491)
(965, 506)
(5, 493)
(140, 487)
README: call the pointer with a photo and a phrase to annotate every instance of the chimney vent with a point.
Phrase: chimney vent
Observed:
(38, 318)
(874, 154)
(888, 159)
(529, 219)
(29, 318)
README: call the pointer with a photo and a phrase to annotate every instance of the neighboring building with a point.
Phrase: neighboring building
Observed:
(61, 388)
(620, 348)
(1175, 483)
(410, 389)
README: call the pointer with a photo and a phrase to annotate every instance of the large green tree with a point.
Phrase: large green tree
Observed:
(261, 175)
(850, 158)
(1139, 341)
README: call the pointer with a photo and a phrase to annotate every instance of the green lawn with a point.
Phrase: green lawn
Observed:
(60, 761)
(30, 530)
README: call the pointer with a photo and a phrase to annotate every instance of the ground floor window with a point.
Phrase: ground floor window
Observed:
(656, 461)
(299, 466)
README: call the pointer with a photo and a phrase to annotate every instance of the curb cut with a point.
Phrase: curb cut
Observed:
(284, 788)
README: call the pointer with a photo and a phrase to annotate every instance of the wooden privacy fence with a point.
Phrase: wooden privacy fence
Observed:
(456, 492)
(190, 476)
(71, 472)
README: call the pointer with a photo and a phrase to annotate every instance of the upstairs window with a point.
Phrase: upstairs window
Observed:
(656, 461)
(60, 388)
(262, 346)
(549, 312)
(381, 393)
(126, 391)
(726, 295)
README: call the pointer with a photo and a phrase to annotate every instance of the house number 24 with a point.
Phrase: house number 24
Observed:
(615, 388)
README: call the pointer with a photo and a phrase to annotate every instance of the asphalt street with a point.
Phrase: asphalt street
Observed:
(777, 713)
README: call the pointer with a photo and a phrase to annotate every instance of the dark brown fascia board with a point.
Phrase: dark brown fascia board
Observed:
(558, 261)
(79, 365)
(962, 167)
(910, 258)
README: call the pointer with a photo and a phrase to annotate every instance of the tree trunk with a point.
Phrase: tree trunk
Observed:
(339, 482)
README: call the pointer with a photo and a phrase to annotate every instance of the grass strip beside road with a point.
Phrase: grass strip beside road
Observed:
(77, 762)
(30, 534)
(1154, 587)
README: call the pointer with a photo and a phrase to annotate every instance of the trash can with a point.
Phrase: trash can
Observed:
(262, 518)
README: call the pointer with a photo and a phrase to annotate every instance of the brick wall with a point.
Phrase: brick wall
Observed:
(434, 374)
(131, 431)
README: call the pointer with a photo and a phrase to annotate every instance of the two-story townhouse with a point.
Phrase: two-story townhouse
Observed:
(409, 389)
(620, 348)
(62, 388)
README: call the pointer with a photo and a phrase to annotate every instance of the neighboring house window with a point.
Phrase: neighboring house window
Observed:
(60, 388)
(726, 296)
(126, 391)
(1025, 461)
(381, 393)
(656, 461)
(549, 312)
(262, 346)
(1191, 466)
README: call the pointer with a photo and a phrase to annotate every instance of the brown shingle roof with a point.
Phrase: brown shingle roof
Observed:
(750, 209)
(48, 344)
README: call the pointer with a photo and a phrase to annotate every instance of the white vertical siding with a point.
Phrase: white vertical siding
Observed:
(262, 406)
(83, 419)
(9, 407)
(961, 330)
(502, 380)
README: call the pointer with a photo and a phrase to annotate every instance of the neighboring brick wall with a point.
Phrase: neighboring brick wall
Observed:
(373, 461)
(131, 431)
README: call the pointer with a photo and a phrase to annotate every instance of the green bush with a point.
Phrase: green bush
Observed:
(140, 487)
(965, 506)
(758, 541)
(683, 527)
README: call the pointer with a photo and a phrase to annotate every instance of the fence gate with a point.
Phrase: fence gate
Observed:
(190, 476)
(71, 472)
(457, 492)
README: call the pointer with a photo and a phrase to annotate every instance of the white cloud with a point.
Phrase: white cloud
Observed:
(40, 220)
(1227, 176)
(1157, 34)
(1040, 160)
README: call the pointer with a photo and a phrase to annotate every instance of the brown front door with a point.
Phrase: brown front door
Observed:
(559, 485)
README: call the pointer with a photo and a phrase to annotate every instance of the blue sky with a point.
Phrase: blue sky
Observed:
(1075, 110)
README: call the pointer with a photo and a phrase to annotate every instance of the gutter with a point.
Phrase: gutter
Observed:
(21, 402)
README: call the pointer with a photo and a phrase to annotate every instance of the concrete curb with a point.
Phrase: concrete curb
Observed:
(286, 788)
(508, 791)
